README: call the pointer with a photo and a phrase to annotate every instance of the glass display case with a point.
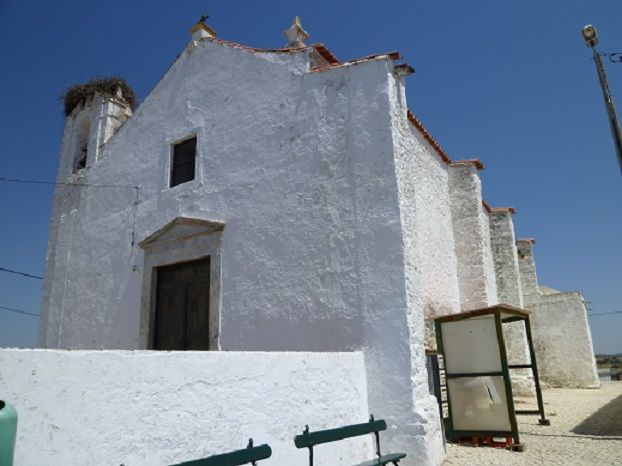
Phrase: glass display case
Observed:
(474, 374)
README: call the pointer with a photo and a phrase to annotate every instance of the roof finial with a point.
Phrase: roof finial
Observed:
(201, 29)
(295, 34)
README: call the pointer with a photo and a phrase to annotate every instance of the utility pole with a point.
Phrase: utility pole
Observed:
(591, 40)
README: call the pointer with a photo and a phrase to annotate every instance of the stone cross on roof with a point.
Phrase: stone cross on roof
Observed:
(295, 34)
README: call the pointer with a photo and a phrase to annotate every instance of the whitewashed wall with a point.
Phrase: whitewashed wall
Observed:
(83, 408)
(563, 341)
(503, 242)
(423, 180)
(476, 273)
(299, 167)
(429, 259)
(561, 331)
(528, 276)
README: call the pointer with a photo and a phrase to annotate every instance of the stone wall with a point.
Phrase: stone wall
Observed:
(138, 408)
(503, 243)
(429, 254)
(561, 332)
(527, 268)
(476, 274)
(563, 341)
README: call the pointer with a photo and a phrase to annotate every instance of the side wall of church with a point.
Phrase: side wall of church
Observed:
(503, 242)
(563, 341)
(561, 333)
(429, 253)
(476, 271)
(528, 276)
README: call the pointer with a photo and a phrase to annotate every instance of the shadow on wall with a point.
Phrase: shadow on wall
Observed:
(604, 422)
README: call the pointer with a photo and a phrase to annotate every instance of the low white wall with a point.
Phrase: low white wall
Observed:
(563, 341)
(157, 408)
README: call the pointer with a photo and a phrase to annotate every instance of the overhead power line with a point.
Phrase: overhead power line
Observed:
(615, 57)
(605, 313)
(76, 185)
(54, 183)
(19, 311)
(23, 274)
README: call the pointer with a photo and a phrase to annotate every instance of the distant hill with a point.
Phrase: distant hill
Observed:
(609, 360)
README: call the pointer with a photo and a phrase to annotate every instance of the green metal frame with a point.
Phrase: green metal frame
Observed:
(310, 439)
(517, 315)
(250, 454)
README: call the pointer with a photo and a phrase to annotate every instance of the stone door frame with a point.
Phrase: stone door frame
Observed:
(181, 240)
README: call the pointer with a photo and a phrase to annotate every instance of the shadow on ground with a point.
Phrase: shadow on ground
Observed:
(607, 421)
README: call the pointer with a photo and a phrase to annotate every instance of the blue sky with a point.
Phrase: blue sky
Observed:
(510, 83)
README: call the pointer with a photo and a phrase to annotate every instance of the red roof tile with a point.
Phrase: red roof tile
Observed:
(511, 210)
(428, 137)
(477, 162)
(325, 53)
(391, 55)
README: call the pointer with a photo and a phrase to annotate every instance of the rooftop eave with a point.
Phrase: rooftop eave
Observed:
(380, 56)
(428, 137)
(475, 162)
(510, 210)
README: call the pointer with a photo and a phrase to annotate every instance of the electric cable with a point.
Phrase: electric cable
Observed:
(24, 274)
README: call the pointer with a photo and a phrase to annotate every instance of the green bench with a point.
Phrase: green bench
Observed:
(250, 454)
(310, 439)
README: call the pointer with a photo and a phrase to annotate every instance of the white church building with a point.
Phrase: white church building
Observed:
(289, 209)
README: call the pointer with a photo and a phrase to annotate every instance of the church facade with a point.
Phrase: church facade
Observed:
(280, 200)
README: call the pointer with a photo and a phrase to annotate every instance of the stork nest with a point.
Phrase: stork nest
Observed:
(78, 94)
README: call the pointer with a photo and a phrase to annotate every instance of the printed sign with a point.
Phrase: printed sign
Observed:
(443, 393)
(441, 361)
(445, 410)
(441, 377)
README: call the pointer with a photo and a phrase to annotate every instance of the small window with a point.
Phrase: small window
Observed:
(182, 165)
(82, 146)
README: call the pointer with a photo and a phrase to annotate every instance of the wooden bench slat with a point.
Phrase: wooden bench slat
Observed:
(310, 439)
(385, 459)
(234, 458)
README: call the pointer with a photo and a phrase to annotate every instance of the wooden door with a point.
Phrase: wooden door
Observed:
(182, 306)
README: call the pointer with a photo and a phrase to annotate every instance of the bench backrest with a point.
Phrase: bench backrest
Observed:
(309, 439)
(234, 458)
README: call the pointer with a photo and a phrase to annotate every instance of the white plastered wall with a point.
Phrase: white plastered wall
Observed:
(137, 408)
(561, 333)
(429, 259)
(563, 341)
(503, 242)
(528, 276)
(476, 271)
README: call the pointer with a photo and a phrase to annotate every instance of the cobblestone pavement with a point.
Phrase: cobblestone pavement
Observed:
(586, 429)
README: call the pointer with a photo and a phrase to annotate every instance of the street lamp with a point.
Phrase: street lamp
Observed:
(591, 40)
(589, 34)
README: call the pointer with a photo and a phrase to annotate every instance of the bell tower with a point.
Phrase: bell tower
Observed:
(94, 112)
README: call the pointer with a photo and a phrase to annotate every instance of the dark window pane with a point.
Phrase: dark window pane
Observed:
(184, 155)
